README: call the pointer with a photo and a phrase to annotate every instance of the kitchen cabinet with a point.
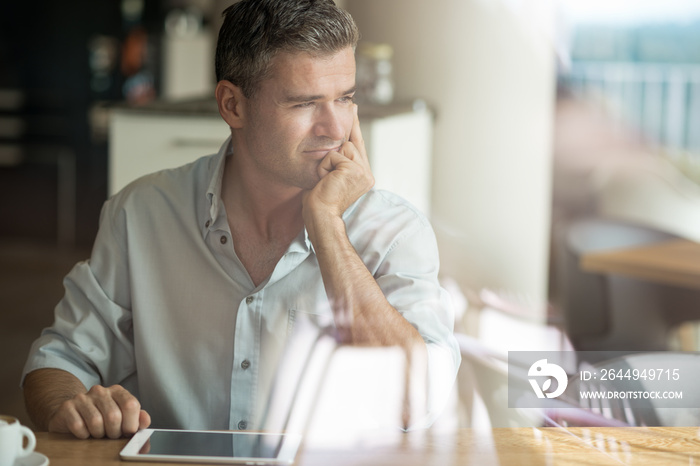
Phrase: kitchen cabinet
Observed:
(163, 135)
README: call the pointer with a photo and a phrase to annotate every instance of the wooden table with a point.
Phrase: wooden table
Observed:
(674, 262)
(521, 446)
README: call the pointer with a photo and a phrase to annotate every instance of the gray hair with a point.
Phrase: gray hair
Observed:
(254, 31)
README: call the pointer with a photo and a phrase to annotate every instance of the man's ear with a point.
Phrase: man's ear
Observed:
(230, 99)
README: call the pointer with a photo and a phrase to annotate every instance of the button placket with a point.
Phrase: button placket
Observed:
(246, 366)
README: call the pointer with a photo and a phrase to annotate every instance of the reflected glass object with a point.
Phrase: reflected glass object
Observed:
(375, 82)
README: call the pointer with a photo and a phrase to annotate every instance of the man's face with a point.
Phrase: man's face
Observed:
(299, 114)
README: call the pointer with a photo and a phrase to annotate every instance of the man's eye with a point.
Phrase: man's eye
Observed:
(347, 99)
(304, 105)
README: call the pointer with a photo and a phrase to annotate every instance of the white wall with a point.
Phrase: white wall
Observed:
(489, 75)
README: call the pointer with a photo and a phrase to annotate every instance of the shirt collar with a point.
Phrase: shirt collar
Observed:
(301, 243)
(216, 179)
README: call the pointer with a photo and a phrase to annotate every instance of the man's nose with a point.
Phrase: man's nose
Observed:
(331, 123)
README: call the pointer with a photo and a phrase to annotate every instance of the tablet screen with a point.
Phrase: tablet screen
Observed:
(219, 444)
(223, 447)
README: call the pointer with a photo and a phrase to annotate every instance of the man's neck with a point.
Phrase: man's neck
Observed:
(262, 207)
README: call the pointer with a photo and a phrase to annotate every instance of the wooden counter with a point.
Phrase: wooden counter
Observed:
(674, 262)
(521, 446)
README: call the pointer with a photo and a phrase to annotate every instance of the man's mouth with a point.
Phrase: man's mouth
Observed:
(322, 152)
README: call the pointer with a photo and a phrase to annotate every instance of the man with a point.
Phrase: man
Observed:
(199, 273)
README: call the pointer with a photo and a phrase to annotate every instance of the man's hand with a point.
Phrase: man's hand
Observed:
(361, 311)
(111, 412)
(57, 401)
(345, 176)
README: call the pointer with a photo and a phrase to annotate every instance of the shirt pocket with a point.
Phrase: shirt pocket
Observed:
(313, 321)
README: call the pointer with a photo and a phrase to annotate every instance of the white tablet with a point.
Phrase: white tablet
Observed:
(208, 446)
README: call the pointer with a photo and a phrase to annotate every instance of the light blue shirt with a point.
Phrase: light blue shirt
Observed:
(165, 308)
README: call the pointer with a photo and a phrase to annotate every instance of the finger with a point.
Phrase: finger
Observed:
(331, 162)
(92, 417)
(109, 409)
(144, 422)
(68, 420)
(356, 134)
(144, 419)
(130, 410)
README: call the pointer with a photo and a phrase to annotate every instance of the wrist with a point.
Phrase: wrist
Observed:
(323, 223)
(315, 209)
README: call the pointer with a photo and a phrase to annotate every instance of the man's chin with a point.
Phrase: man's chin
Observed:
(308, 181)
(305, 179)
(310, 184)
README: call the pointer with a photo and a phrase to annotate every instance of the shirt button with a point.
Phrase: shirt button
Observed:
(245, 364)
(223, 240)
(242, 425)
(249, 300)
(206, 225)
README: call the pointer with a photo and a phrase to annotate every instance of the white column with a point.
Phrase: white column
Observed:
(489, 75)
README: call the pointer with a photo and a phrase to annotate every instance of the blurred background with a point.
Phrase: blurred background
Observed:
(538, 131)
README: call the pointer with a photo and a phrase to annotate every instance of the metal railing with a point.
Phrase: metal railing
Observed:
(662, 101)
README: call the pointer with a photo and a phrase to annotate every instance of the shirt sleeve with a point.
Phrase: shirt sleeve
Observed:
(408, 276)
(92, 336)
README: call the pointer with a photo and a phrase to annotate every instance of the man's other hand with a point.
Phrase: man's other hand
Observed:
(102, 411)
(345, 176)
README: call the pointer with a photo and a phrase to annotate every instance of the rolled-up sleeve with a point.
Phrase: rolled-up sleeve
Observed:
(92, 336)
(408, 276)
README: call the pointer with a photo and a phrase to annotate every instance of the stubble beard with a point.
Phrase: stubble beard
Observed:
(304, 176)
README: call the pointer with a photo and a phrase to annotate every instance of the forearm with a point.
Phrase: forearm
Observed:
(45, 390)
(362, 311)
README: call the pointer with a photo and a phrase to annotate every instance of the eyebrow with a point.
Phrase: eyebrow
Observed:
(309, 98)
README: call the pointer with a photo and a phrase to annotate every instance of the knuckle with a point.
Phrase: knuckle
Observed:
(97, 390)
(113, 416)
(132, 404)
(67, 405)
(75, 425)
(77, 428)
(96, 425)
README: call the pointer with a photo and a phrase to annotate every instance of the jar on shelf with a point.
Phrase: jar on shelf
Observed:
(375, 83)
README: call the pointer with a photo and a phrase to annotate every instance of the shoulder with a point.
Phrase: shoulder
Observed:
(175, 185)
